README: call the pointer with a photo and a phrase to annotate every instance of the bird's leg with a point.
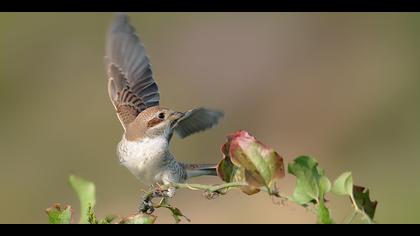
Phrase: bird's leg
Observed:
(146, 204)
(165, 193)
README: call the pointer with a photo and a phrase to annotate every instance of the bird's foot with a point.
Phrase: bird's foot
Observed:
(171, 192)
(165, 193)
(146, 204)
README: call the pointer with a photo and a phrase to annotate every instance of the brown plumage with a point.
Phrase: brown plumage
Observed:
(130, 81)
(144, 148)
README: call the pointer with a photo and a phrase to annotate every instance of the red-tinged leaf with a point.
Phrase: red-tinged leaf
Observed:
(262, 165)
(247, 160)
(226, 170)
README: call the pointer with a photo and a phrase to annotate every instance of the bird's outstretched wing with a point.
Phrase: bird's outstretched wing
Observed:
(196, 120)
(131, 86)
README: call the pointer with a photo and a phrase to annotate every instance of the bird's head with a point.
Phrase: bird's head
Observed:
(155, 121)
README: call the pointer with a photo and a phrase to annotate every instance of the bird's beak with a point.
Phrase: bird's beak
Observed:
(174, 117)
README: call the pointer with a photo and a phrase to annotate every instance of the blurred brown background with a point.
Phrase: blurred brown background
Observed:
(344, 88)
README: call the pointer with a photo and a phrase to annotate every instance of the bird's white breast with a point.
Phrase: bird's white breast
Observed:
(144, 158)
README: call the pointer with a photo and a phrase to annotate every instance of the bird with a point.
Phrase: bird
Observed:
(148, 127)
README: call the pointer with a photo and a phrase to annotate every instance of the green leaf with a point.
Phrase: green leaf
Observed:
(323, 214)
(363, 201)
(139, 219)
(310, 180)
(311, 186)
(58, 215)
(85, 190)
(343, 185)
(324, 184)
(176, 213)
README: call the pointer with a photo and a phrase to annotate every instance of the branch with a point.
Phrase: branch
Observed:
(210, 191)
(249, 166)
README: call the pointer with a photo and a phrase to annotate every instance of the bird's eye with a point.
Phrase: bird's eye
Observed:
(161, 115)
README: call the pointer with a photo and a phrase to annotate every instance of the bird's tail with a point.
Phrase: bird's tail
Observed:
(195, 170)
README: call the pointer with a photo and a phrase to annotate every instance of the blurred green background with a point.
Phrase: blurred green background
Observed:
(342, 87)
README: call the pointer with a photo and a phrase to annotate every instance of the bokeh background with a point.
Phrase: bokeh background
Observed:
(341, 87)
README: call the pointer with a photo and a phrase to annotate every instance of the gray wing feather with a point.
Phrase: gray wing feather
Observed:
(197, 120)
(128, 64)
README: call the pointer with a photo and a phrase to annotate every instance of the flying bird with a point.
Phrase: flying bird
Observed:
(148, 127)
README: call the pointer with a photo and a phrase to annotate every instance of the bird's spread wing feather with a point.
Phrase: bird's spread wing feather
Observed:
(131, 86)
(196, 120)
